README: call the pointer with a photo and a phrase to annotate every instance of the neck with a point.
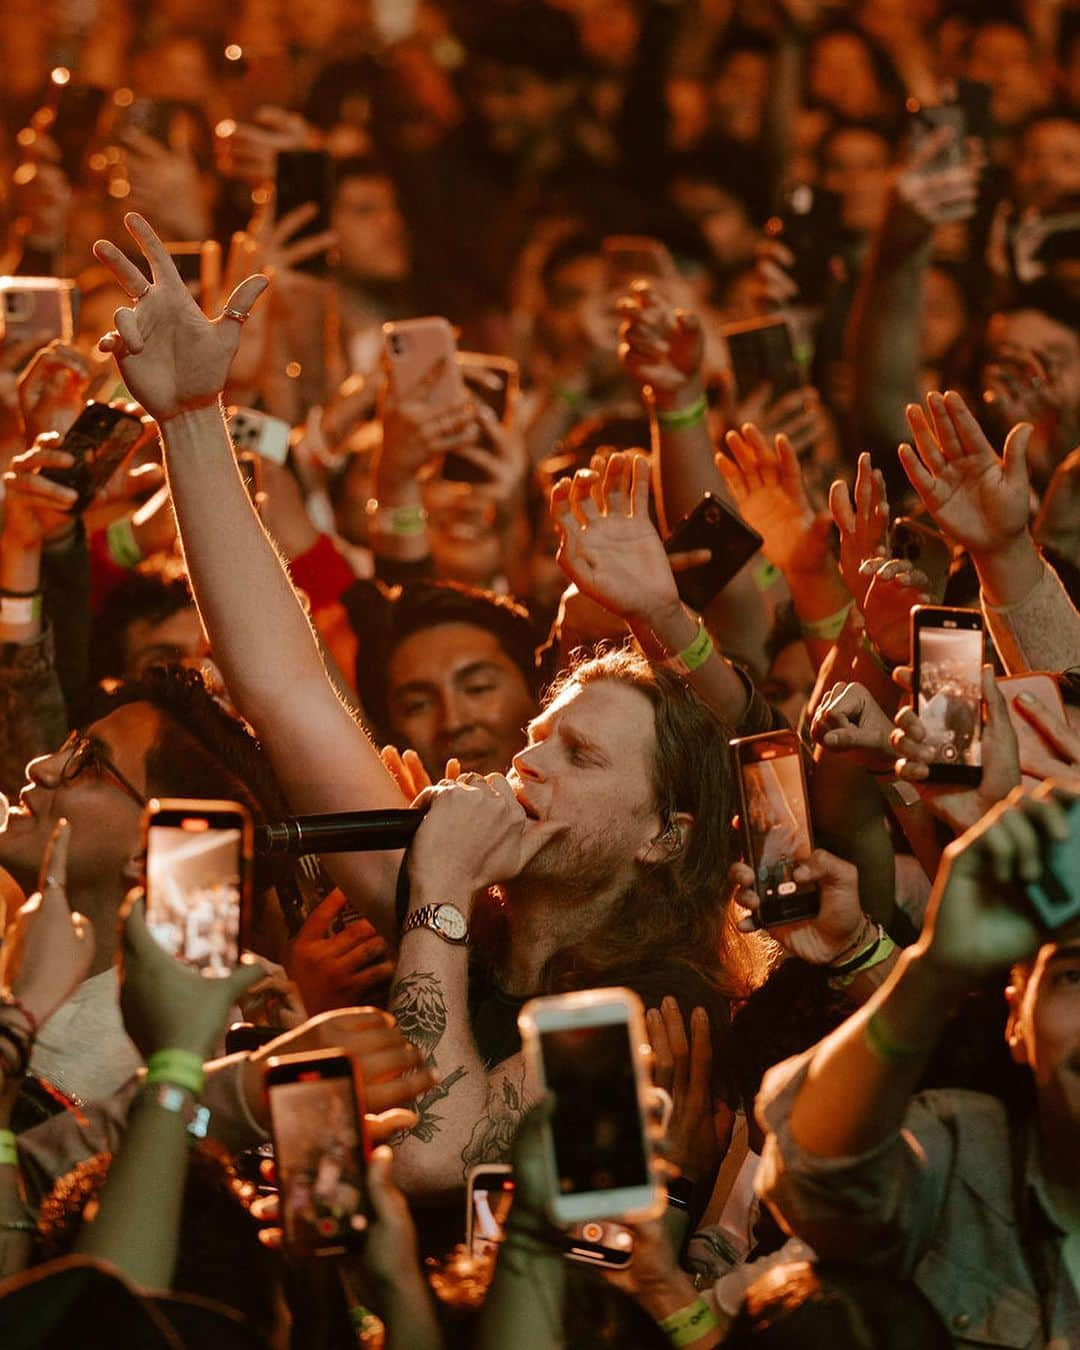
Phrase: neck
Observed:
(541, 922)
(1059, 1149)
(102, 910)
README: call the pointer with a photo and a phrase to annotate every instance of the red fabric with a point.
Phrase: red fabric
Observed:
(322, 573)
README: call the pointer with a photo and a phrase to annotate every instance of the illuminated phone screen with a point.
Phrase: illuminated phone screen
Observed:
(596, 1123)
(318, 1143)
(193, 894)
(950, 693)
(779, 831)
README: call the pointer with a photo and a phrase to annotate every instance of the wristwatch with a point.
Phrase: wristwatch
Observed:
(445, 919)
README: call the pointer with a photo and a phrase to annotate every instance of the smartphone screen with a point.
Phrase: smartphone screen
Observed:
(948, 685)
(762, 354)
(491, 1197)
(303, 176)
(195, 873)
(100, 439)
(320, 1150)
(596, 1125)
(36, 308)
(776, 825)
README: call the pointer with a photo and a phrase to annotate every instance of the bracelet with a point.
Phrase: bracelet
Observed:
(21, 1048)
(178, 1068)
(875, 955)
(5, 593)
(766, 575)
(689, 1324)
(680, 1191)
(883, 1046)
(207, 401)
(854, 950)
(17, 1226)
(18, 611)
(363, 1319)
(827, 629)
(688, 417)
(405, 522)
(122, 545)
(9, 1152)
(695, 655)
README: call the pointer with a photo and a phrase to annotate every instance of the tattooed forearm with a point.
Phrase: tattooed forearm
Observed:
(419, 1004)
(493, 1134)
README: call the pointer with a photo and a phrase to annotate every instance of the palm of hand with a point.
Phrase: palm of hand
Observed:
(887, 610)
(619, 562)
(782, 521)
(973, 502)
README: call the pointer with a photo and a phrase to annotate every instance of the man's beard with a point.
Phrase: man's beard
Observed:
(576, 866)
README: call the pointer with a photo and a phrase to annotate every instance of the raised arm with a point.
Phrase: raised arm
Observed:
(175, 362)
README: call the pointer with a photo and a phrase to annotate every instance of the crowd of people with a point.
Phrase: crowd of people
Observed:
(814, 262)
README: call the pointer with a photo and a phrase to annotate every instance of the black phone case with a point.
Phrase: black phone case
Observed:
(761, 355)
(303, 176)
(713, 525)
(98, 453)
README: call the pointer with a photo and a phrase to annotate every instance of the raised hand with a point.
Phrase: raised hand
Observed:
(336, 969)
(660, 346)
(682, 1066)
(982, 501)
(36, 508)
(936, 192)
(863, 526)
(1059, 753)
(973, 925)
(52, 390)
(407, 769)
(895, 587)
(171, 356)
(850, 721)
(961, 807)
(47, 948)
(839, 928)
(768, 488)
(609, 548)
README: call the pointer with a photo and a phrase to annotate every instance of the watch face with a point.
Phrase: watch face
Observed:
(450, 920)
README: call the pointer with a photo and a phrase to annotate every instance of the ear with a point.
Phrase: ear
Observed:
(134, 870)
(1014, 1035)
(669, 843)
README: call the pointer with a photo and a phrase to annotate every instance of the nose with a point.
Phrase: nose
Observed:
(455, 714)
(527, 764)
(45, 770)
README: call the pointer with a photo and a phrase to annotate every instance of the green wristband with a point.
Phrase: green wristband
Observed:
(689, 1324)
(180, 1068)
(687, 417)
(122, 545)
(827, 629)
(882, 1046)
(694, 656)
(20, 610)
(9, 1152)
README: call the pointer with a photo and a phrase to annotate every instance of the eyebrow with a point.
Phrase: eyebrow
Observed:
(549, 721)
(1068, 951)
(459, 676)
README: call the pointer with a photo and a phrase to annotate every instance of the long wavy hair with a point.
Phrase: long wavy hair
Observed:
(676, 911)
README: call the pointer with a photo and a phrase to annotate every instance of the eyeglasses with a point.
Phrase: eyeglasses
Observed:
(85, 753)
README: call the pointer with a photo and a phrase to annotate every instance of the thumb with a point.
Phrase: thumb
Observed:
(318, 921)
(246, 974)
(1015, 457)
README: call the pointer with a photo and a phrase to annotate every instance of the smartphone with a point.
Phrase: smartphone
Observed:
(634, 257)
(101, 438)
(976, 98)
(422, 357)
(761, 352)
(303, 176)
(1047, 690)
(36, 309)
(489, 1197)
(198, 880)
(713, 525)
(199, 266)
(71, 118)
(924, 547)
(1055, 897)
(321, 1148)
(245, 1037)
(947, 655)
(809, 223)
(263, 435)
(926, 121)
(494, 381)
(587, 1048)
(775, 818)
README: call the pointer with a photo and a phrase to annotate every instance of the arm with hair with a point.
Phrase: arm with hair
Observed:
(176, 362)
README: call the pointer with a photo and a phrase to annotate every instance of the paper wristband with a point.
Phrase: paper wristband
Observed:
(404, 522)
(694, 656)
(180, 1068)
(689, 1324)
(18, 610)
(827, 629)
(882, 950)
(121, 543)
(687, 417)
(9, 1152)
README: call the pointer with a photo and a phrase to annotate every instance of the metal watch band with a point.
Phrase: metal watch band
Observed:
(424, 917)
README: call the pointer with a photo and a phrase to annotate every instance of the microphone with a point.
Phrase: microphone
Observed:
(339, 832)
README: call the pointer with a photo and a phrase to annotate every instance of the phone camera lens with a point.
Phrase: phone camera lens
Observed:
(592, 1232)
(397, 344)
(712, 516)
(948, 753)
